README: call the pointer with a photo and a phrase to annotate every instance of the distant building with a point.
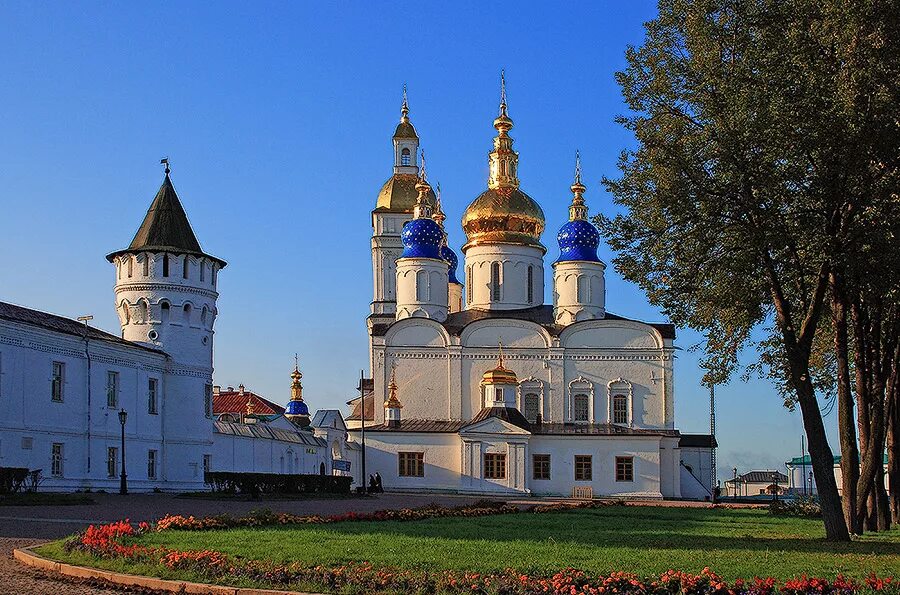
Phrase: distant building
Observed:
(802, 480)
(757, 483)
(234, 405)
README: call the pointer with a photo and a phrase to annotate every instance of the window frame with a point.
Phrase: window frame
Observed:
(57, 457)
(152, 459)
(57, 381)
(208, 401)
(112, 389)
(496, 272)
(586, 398)
(526, 399)
(624, 469)
(543, 466)
(620, 415)
(583, 466)
(494, 465)
(411, 464)
(530, 285)
(152, 396)
(112, 461)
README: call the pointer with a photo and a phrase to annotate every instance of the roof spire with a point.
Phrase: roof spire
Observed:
(500, 350)
(422, 208)
(439, 216)
(392, 401)
(578, 210)
(404, 108)
(165, 161)
(502, 92)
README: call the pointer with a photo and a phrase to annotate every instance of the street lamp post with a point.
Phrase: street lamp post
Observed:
(811, 484)
(123, 486)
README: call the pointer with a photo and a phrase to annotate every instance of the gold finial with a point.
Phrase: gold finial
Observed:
(500, 350)
(439, 216)
(404, 109)
(423, 207)
(578, 210)
(502, 92)
(392, 401)
(296, 386)
(165, 161)
(251, 406)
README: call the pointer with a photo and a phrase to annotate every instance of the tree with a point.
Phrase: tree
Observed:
(762, 127)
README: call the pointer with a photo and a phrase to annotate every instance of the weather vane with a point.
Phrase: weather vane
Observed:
(165, 161)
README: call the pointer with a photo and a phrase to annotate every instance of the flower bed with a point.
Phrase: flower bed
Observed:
(122, 541)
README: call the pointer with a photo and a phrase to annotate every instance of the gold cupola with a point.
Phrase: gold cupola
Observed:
(500, 374)
(503, 214)
(398, 194)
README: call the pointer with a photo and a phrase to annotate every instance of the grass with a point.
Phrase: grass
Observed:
(643, 540)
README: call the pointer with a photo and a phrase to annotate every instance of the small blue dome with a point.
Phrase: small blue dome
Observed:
(296, 408)
(578, 240)
(449, 255)
(421, 239)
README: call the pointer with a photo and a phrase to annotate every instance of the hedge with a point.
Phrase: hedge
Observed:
(276, 483)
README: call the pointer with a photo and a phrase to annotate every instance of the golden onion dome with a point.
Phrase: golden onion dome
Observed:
(503, 213)
(500, 374)
(399, 194)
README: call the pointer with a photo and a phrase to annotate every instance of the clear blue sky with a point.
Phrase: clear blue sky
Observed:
(277, 118)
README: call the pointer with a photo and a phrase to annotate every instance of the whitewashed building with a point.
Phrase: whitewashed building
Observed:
(63, 383)
(576, 401)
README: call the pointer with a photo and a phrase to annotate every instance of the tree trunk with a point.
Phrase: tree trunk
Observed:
(846, 415)
(893, 453)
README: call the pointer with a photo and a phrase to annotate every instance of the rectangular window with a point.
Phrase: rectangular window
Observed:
(112, 389)
(206, 463)
(412, 464)
(540, 466)
(146, 265)
(582, 407)
(202, 272)
(495, 281)
(469, 284)
(494, 466)
(498, 394)
(530, 284)
(151, 464)
(624, 468)
(56, 459)
(620, 409)
(152, 384)
(112, 460)
(208, 400)
(583, 468)
(165, 265)
(58, 381)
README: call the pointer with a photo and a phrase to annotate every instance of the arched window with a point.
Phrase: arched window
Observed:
(495, 281)
(202, 271)
(146, 264)
(469, 284)
(215, 271)
(126, 312)
(144, 312)
(581, 410)
(584, 290)
(165, 265)
(130, 266)
(187, 313)
(164, 311)
(531, 407)
(404, 157)
(421, 286)
(620, 409)
(186, 267)
(203, 314)
(530, 284)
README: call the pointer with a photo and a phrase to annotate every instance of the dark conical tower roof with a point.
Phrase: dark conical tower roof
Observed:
(166, 224)
(165, 227)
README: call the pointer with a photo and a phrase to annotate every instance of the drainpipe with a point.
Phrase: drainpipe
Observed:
(87, 356)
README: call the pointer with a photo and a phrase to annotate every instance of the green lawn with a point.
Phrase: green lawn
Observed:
(644, 540)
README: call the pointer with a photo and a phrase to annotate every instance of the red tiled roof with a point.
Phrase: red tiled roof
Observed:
(369, 401)
(236, 403)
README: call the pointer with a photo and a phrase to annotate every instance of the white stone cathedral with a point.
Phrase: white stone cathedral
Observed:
(484, 387)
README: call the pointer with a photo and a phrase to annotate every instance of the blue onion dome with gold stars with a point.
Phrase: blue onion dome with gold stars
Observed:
(296, 406)
(422, 236)
(578, 239)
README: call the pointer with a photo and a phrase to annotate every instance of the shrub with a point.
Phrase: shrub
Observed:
(800, 507)
(276, 483)
(12, 479)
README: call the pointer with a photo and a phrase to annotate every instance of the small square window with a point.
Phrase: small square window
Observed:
(583, 468)
(540, 466)
(624, 468)
(412, 464)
